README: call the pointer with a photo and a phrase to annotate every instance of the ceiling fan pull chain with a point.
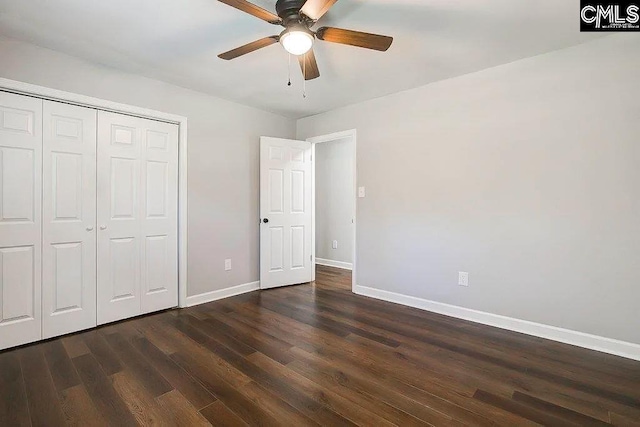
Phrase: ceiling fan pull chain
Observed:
(289, 69)
(304, 76)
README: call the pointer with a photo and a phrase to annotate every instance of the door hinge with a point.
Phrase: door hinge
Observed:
(311, 257)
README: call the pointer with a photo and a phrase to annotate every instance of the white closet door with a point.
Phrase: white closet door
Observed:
(159, 215)
(137, 216)
(20, 219)
(69, 219)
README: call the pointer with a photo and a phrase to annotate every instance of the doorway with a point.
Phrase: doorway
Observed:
(334, 202)
(290, 212)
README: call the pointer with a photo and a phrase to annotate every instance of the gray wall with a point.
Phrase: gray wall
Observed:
(334, 200)
(525, 175)
(223, 155)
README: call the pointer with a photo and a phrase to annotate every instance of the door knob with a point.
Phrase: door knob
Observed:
(266, 220)
(89, 228)
(103, 227)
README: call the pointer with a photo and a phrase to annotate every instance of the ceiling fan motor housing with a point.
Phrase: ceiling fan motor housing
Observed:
(289, 11)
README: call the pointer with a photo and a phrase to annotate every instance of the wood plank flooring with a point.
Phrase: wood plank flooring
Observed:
(313, 354)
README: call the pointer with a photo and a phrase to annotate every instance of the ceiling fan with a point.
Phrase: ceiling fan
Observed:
(297, 17)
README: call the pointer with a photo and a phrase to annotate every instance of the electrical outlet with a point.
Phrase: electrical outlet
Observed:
(463, 278)
(335, 244)
(227, 264)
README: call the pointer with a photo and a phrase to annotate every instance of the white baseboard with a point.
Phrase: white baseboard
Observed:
(222, 293)
(336, 264)
(567, 336)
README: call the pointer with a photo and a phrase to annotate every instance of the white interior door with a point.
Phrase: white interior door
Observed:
(20, 219)
(137, 216)
(69, 219)
(285, 212)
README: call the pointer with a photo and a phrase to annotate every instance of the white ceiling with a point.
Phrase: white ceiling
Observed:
(177, 41)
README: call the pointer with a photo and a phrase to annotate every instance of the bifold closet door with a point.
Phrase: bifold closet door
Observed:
(20, 219)
(69, 219)
(137, 216)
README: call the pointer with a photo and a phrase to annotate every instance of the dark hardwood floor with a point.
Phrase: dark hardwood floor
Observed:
(312, 355)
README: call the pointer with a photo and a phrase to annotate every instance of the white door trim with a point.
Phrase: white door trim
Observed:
(318, 140)
(42, 92)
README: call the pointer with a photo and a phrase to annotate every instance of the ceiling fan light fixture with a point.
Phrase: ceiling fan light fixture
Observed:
(297, 41)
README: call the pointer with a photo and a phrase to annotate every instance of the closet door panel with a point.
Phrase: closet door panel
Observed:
(69, 219)
(137, 216)
(160, 213)
(119, 217)
(20, 219)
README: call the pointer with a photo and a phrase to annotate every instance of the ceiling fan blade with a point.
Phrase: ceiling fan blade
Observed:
(309, 65)
(254, 10)
(314, 9)
(250, 47)
(354, 38)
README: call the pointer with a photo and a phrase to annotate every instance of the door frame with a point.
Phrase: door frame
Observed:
(328, 138)
(28, 89)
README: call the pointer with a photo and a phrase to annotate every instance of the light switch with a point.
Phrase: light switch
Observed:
(227, 264)
(361, 192)
(335, 244)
